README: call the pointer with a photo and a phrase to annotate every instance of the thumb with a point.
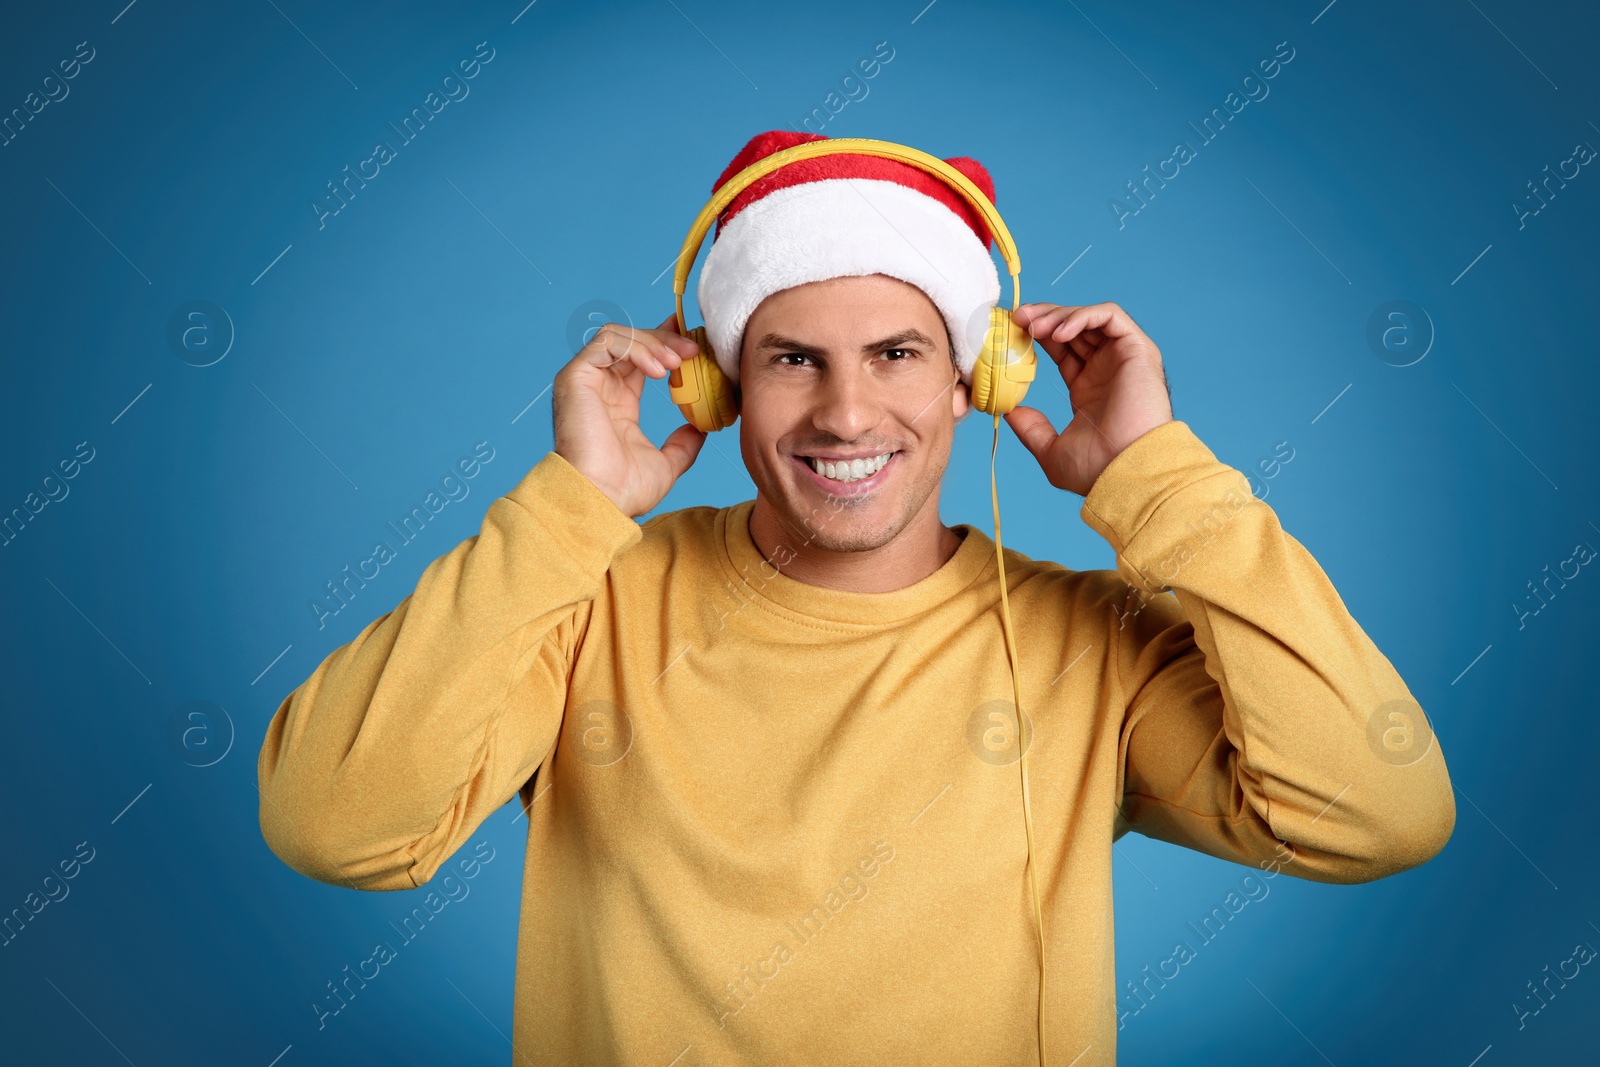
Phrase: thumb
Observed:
(681, 447)
(1033, 429)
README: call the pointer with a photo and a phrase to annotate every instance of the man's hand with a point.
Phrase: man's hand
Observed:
(595, 405)
(1114, 377)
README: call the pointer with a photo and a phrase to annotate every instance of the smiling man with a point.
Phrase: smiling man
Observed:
(767, 751)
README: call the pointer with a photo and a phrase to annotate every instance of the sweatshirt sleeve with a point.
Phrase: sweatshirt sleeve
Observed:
(387, 758)
(1256, 712)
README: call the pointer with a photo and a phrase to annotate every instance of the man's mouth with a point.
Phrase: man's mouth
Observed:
(847, 471)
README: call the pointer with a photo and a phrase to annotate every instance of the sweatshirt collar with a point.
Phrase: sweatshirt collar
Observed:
(753, 577)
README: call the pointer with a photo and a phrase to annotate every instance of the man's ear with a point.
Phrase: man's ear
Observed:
(960, 400)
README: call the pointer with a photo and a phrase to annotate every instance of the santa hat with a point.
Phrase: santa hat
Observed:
(847, 214)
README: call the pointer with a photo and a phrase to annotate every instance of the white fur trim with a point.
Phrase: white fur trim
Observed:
(841, 227)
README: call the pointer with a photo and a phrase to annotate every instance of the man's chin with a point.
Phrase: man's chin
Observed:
(841, 525)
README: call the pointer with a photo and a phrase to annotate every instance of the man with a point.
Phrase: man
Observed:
(768, 751)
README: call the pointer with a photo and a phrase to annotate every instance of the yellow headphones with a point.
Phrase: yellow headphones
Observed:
(1000, 376)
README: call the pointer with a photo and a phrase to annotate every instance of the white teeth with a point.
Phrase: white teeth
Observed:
(850, 470)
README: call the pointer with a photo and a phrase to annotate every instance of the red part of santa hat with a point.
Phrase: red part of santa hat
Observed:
(847, 214)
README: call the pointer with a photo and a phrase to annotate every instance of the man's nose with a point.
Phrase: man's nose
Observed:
(849, 403)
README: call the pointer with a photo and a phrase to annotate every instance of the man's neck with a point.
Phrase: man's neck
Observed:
(921, 549)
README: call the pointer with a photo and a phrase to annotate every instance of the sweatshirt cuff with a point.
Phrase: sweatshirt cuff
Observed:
(1156, 494)
(575, 513)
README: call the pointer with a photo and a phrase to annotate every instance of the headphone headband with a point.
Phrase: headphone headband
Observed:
(862, 146)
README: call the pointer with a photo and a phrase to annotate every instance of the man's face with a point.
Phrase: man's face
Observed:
(840, 369)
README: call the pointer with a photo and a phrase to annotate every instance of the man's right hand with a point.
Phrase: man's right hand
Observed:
(595, 405)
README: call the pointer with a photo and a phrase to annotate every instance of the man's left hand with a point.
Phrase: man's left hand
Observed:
(1114, 377)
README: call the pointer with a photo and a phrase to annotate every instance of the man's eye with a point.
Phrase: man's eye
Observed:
(793, 355)
(907, 351)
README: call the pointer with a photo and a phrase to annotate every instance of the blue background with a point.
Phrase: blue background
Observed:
(431, 313)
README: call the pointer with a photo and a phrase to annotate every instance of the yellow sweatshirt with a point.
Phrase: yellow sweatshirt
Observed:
(770, 822)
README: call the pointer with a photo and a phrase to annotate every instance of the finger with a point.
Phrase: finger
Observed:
(669, 335)
(613, 344)
(646, 347)
(666, 323)
(1071, 363)
(1033, 429)
(678, 345)
(1026, 313)
(681, 447)
(1098, 321)
(669, 347)
(1043, 320)
(667, 344)
(1040, 327)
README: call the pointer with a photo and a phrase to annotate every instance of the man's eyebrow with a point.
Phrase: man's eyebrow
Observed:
(774, 340)
(903, 337)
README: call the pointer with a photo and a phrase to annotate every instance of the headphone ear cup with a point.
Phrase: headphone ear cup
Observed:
(1005, 365)
(700, 389)
(983, 382)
